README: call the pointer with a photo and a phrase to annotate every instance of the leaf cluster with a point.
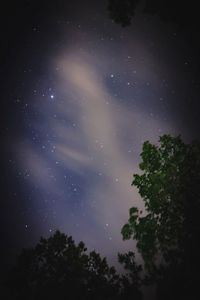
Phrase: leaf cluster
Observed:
(169, 185)
(57, 268)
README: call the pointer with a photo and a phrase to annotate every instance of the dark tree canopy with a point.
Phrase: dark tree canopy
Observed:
(180, 12)
(57, 268)
(168, 232)
(122, 11)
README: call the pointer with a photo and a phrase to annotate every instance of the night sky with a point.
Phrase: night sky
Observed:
(79, 96)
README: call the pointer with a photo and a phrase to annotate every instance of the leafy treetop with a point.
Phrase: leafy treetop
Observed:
(57, 268)
(169, 185)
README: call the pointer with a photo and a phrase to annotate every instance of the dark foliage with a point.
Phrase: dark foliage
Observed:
(122, 11)
(168, 232)
(180, 12)
(131, 281)
(57, 268)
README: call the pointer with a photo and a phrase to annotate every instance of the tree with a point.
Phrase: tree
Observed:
(57, 268)
(168, 231)
(123, 11)
(131, 282)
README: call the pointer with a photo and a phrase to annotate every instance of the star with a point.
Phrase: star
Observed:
(78, 118)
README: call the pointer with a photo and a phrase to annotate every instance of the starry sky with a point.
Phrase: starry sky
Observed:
(80, 95)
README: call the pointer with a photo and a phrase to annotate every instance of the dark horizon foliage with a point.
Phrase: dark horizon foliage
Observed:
(57, 268)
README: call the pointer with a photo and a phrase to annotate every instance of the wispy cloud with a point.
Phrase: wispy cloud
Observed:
(95, 144)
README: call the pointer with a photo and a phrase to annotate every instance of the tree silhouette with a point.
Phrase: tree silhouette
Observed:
(122, 11)
(168, 231)
(131, 281)
(57, 268)
(180, 12)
